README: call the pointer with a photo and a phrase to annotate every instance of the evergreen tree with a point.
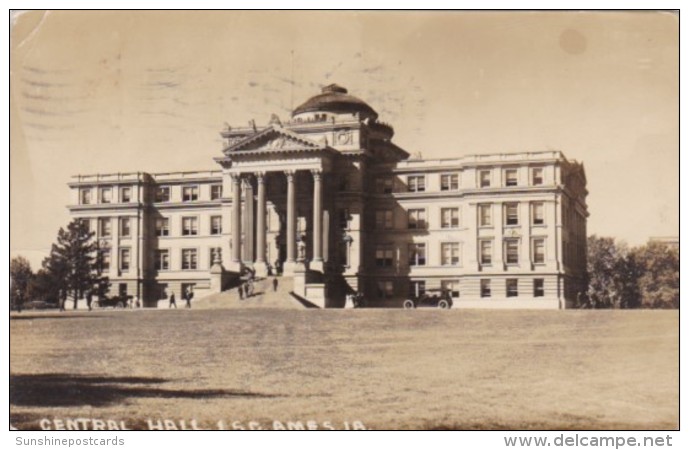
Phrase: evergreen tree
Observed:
(75, 262)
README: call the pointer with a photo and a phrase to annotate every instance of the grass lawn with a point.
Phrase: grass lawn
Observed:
(389, 369)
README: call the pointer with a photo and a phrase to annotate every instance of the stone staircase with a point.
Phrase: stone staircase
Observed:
(264, 297)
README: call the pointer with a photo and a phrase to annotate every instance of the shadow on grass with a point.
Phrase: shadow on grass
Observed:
(76, 390)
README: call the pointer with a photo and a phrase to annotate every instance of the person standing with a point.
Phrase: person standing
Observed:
(172, 301)
(241, 291)
(187, 297)
(275, 284)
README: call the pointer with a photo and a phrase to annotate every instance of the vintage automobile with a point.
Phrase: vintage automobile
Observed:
(117, 302)
(435, 298)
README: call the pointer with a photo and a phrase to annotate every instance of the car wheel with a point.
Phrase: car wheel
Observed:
(408, 304)
(444, 304)
(119, 305)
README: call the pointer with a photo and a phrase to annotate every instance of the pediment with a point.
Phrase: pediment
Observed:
(274, 139)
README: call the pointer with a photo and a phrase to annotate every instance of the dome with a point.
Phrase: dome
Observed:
(335, 99)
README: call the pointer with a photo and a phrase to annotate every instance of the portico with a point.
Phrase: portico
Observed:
(286, 159)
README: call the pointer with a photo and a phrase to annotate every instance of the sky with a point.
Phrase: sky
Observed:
(104, 92)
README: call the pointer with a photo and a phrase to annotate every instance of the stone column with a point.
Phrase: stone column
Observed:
(291, 232)
(236, 259)
(260, 265)
(248, 221)
(317, 261)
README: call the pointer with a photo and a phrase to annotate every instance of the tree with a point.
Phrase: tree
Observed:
(659, 278)
(612, 274)
(643, 277)
(74, 262)
(20, 278)
(44, 286)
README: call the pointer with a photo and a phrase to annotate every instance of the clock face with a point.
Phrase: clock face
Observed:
(344, 137)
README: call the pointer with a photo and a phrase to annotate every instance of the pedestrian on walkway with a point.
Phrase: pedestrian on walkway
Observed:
(172, 301)
(275, 284)
(188, 297)
(241, 291)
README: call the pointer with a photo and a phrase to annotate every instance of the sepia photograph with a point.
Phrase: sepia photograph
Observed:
(344, 220)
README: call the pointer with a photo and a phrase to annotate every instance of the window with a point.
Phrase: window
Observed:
(417, 254)
(451, 286)
(104, 227)
(85, 196)
(486, 250)
(384, 219)
(511, 214)
(105, 260)
(87, 224)
(384, 185)
(485, 288)
(510, 177)
(215, 255)
(162, 226)
(537, 213)
(416, 218)
(124, 259)
(343, 252)
(417, 288)
(190, 193)
(106, 195)
(125, 194)
(485, 218)
(344, 218)
(162, 194)
(190, 226)
(449, 182)
(216, 224)
(416, 183)
(539, 250)
(384, 256)
(537, 176)
(162, 261)
(125, 229)
(189, 259)
(449, 217)
(385, 289)
(511, 287)
(216, 191)
(484, 178)
(449, 253)
(512, 251)
(538, 289)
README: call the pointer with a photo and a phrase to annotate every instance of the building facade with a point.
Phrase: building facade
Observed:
(327, 198)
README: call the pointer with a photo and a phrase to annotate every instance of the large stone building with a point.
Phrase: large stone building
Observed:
(327, 198)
